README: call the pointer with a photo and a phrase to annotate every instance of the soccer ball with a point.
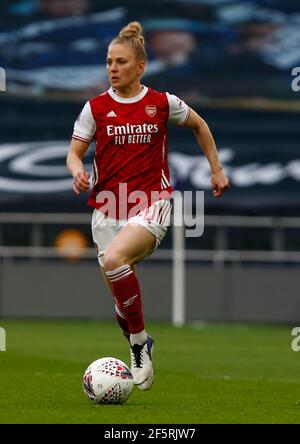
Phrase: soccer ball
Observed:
(108, 381)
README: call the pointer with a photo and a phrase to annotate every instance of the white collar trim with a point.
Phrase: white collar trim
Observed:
(134, 99)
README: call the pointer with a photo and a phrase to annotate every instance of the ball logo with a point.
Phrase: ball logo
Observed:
(151, 110)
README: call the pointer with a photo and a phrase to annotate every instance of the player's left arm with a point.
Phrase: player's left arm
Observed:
(220, 183)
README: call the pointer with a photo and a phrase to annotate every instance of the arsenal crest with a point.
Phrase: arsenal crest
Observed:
(150, 110)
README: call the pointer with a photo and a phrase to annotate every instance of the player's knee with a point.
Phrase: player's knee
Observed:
(113, 259)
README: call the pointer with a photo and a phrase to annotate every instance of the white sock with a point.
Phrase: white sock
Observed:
(138, 338)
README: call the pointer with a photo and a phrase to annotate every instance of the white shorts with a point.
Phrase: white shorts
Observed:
(155, 219)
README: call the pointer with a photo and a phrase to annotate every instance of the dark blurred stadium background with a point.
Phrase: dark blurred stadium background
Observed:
(232, 61)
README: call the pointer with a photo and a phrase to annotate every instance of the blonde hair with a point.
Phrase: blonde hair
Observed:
(133, 34)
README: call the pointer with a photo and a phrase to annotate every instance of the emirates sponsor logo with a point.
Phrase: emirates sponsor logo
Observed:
(151, 110)
(131, 134)
(117, 130)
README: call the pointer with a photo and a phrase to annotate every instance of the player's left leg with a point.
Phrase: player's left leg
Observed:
(131, 245)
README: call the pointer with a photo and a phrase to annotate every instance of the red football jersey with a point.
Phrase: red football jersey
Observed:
(131, 162)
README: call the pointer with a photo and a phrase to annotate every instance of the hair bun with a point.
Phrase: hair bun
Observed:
(132, 30)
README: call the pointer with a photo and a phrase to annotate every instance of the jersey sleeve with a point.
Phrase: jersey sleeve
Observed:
(179, 111)
(85, 125)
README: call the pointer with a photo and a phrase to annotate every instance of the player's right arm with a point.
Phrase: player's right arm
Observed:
(75, 165)
(84, 131)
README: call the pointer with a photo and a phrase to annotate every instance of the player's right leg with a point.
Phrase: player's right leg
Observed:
(140, 353)
(130, 246)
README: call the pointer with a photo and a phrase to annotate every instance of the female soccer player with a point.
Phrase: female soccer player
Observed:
(131, 188)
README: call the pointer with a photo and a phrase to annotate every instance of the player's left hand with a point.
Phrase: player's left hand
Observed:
(220, 183)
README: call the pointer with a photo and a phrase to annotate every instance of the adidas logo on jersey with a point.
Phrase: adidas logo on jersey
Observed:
(111, 114)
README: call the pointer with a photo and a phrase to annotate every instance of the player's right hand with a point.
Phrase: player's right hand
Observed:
(81, 182)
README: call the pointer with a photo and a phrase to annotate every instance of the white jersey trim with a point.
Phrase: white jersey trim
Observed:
(134, 99)
(85, 125)
(164, 181)
(178, 110)
(96, 176)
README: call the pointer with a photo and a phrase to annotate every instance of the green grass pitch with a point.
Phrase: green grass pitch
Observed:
(205, 373)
